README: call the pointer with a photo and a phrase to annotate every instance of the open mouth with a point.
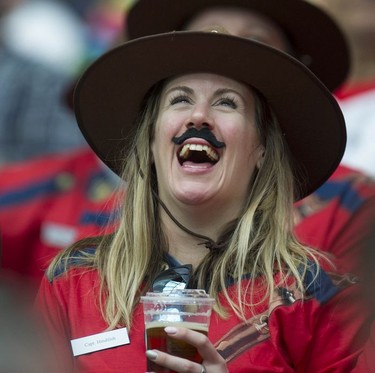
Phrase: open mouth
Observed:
(197, 153)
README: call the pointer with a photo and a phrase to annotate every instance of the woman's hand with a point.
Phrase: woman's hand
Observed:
(212, 360)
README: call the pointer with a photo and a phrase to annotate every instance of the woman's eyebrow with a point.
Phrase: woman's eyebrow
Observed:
(221, 91)
(182, 88)
(189, 90)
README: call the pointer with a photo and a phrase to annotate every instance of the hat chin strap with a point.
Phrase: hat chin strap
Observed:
(208, 242)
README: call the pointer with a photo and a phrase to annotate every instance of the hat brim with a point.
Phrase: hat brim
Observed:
(109, 95)
(316, 38)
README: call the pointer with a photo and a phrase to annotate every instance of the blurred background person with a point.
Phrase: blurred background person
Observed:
(41, 46)
(44, 44)
(357, 96)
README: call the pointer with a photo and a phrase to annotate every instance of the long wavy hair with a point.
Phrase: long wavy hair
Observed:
(260, 243)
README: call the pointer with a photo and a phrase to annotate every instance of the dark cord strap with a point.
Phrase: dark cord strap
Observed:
(208, 242)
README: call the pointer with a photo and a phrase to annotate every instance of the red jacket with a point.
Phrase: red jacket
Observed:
(320, 334)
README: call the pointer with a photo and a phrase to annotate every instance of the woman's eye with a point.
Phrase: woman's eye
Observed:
(179, 99)
(228, 101)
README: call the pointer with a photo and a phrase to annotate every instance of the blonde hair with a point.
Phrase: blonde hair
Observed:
(261, 242)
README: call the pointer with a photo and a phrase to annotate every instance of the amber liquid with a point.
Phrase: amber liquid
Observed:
(158, 339)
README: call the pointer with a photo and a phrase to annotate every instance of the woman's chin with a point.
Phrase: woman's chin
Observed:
(195, 197)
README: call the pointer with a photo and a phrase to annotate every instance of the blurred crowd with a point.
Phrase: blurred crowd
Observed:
(44, 45)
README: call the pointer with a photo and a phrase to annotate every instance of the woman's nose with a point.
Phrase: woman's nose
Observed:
(200, 117)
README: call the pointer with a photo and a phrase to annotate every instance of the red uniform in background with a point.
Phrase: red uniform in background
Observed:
(336, 217)
(49, 203)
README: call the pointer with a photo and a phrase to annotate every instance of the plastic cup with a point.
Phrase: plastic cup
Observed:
(188, 308)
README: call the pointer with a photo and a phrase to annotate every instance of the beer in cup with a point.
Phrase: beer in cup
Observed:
(188, 308)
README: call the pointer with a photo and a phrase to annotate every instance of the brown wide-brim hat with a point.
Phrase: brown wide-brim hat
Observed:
(317, 40)
(110, 93)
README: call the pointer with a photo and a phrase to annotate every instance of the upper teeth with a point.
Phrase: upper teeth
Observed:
(211, 153)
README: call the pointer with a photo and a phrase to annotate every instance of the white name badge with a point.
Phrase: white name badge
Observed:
(100, 341)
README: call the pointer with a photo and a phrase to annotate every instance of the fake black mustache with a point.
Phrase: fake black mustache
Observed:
(204, 133)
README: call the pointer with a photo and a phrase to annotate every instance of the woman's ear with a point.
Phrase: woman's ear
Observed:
(260, 153)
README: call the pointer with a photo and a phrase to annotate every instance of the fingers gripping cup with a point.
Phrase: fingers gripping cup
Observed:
(188, 308)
